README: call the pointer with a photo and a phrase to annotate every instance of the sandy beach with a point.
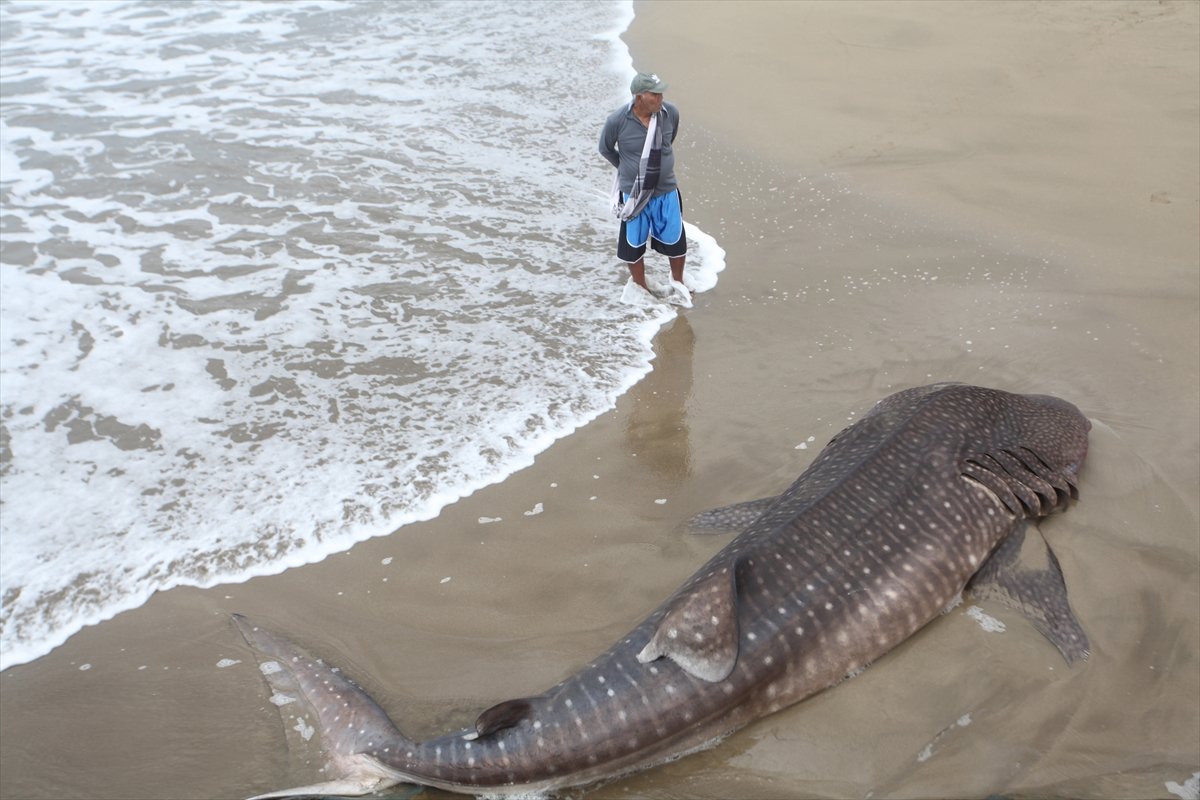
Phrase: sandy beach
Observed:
(997, 193)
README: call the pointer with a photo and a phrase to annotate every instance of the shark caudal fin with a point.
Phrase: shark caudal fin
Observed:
(318, 699)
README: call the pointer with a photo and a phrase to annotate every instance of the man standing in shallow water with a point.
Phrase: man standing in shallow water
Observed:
(637, 140)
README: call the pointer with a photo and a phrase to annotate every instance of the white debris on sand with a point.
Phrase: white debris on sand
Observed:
(927, 751)
(986, 621)
(1188, 790)
(304, 729)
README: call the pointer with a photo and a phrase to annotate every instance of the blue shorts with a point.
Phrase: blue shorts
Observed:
(660, 224)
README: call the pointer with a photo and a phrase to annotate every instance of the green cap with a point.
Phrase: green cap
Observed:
(646, 82)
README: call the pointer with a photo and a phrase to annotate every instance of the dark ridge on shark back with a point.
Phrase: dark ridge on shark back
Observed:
(929, 491)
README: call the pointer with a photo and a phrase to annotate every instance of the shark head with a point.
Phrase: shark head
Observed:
(1052, 428)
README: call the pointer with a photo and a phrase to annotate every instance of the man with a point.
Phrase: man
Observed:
(637, 140)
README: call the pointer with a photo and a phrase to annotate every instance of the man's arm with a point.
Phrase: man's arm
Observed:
(673, 110)
(608, 142)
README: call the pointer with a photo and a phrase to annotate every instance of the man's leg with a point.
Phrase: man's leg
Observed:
(668, 223)
(635, 257)
(677, 267)
(637, 271)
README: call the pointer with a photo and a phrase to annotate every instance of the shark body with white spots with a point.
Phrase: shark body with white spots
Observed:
(930, 490)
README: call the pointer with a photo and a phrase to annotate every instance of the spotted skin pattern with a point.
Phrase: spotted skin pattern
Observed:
(871, 542)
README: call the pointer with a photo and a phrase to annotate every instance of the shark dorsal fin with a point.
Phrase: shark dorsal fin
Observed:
(699, 631)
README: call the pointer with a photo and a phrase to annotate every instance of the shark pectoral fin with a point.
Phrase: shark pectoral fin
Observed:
(729, 519)
(1023, 574)
(700, 630)
(503, 715)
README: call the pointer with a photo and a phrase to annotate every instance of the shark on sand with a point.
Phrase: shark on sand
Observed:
(929, 493)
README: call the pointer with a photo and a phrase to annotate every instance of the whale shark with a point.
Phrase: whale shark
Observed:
(932, 492)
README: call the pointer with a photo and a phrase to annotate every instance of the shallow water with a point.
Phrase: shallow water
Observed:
(281, 277)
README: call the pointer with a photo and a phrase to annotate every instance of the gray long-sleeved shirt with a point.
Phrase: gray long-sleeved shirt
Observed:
(624, 136)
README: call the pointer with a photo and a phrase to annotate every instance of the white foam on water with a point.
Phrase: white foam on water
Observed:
(278, 278)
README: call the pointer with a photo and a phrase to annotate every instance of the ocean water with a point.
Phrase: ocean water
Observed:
(279, 277)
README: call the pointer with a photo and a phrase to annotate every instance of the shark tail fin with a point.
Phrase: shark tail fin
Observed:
(319, 699)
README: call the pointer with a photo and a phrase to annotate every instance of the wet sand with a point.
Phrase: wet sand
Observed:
(999, 193)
